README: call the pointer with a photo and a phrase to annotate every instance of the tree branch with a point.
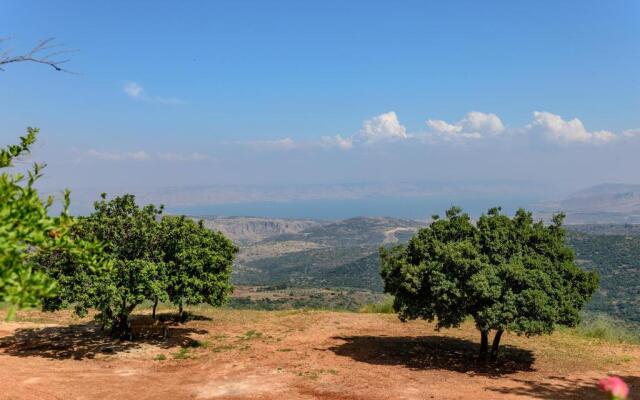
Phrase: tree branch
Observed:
(46, 52)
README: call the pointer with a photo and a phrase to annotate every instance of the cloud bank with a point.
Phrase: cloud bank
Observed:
(386, 128)
(475, 125)
(554, 129)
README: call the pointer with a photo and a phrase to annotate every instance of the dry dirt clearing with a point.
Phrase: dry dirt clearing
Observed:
(226, 354)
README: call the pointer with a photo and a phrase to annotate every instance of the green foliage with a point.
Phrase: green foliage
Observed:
(509, 274)
(382, 307)
(182, 354)
(152, 259)
(131, 240)
(26, 228)
(197, 261)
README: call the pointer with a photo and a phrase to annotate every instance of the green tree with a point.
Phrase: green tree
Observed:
(130, 236)
(152, 258)
(198, 262)
(508, 274)
(26, 227)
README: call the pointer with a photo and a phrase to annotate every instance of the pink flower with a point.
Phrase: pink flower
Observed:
(615, 387)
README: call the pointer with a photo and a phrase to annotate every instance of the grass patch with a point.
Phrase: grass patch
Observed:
(381, 307)
(160, 357)
(182, 354)
(607, 328)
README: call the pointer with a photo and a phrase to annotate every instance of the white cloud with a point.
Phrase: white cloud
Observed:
(137, 92)
(133, 90)
(632, 133)
(276, 144)
(555, 129)
(338, 141)
(383, 127)
(195, 156)
(139, 155)
(483, 123)
(474, 125)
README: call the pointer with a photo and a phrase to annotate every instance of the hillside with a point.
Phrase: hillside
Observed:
(344, 254)
(249, 230)
(360, 231)
(617, 259)
(337, 254)
(298, 355)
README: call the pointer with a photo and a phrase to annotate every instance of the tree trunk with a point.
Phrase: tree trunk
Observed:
(484, 345)
(496, 345)
(122, 328)
(155, 305)
(180, 316)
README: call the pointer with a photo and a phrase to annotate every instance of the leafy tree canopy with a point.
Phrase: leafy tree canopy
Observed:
(27, 227)
(510, 274)
(198, 262)
(130, 237)
(152, 257)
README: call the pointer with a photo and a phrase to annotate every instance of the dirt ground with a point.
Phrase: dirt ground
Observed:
(226, 354)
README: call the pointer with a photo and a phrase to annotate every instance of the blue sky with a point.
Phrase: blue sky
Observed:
(175, 93)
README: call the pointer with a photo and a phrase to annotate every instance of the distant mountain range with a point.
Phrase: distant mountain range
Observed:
(604, 203)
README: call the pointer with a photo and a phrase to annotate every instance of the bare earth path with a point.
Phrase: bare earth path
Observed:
(296, 355)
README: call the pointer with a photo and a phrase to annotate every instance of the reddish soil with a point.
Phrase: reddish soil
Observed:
(297, 355)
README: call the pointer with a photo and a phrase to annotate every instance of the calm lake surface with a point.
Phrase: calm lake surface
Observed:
(399, 207)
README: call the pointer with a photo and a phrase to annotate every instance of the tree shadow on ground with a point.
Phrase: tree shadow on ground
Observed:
(175, 318)
(432, 352)
(561, 388)
(85, 341)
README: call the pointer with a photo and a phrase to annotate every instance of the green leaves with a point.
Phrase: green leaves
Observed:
(198, 262)
(507, 273)
(26, 228)
(151, 257)
(8, 154)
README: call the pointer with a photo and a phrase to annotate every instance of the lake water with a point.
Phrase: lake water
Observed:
(399, 207)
